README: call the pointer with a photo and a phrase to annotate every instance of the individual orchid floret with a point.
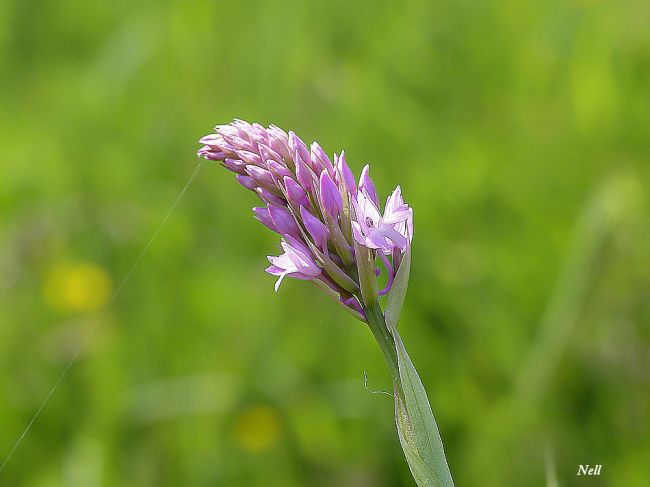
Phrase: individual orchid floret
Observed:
(296, 262)
(377, 231)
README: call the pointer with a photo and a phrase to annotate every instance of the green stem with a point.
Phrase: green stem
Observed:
(416, 427)
(377, 325)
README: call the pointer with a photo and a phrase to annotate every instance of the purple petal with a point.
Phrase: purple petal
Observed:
(267, 197)
(302, 260)
(394, 201)
(258, 134)
(297, 145)
(397, 238)
(279, 141)
(295, 193)
(268, 153)
(298, 244)
(274, 270)
(249, 157)
(296, 262)
(346, 173)
(234, 165)
(367, 186)
(238, 143)
(210, 154)
(227, 129)
(401, 215)
(276, 132)
(358, 233)
(246, 181)
(261, 176)
(210, 139)
(320, 160)
(280, 170)
(262, 215)
(283, 221)
(242, 124)
(302, 173)
(376, 240)
(330, 195)
(282, 262)
(315, 227)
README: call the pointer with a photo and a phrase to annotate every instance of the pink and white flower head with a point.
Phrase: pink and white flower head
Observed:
(325, 218)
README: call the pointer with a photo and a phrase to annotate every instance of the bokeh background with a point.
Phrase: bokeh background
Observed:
(519, 132)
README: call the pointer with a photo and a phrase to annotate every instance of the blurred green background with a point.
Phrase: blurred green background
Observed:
(519, 132)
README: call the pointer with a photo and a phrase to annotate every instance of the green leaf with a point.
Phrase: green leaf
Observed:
(398, 291)
(416, 426)
(422, 473)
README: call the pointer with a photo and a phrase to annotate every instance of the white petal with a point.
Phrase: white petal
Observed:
(279, 281)
(394, 201)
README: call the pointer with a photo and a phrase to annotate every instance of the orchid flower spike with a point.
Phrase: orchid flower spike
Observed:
(335, 234)
(325, 217)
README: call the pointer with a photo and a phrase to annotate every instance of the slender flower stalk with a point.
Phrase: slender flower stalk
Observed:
(335, 234)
